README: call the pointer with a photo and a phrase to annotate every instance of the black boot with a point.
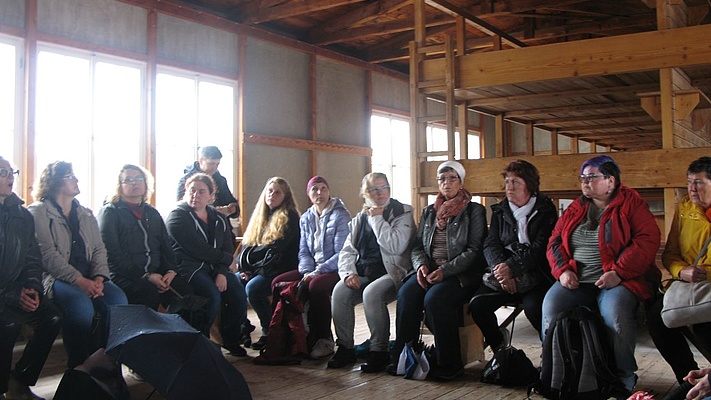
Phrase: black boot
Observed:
(679, 392)
(342, 358)
(377, 361)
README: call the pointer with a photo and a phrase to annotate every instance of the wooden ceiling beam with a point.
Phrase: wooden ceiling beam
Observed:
(506, 8)
(473, 20)
(568, 109)
(679, 47)
(261, 11)
(361, 16)
(556, 120)
(387, 28)
(594, 129)
(384, 50)
(559, 95)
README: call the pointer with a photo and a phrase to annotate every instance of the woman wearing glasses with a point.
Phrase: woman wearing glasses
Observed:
(74, 258)
(601, 253)
(374, 260)
(141, 259)
(689, 232)
(449, 262)
(324, 227)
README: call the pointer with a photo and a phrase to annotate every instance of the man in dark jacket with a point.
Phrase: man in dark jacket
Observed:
(21, 294)
(208, 163)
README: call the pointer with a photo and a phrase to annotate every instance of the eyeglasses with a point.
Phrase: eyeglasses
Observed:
(70, 177)
(378, 188)
(451, 179)
(5, 172)
(591, 177)
(130, 180)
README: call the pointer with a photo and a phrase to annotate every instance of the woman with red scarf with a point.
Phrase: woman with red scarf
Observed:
(448, 263)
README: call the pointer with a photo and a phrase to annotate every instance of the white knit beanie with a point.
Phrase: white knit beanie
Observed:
(459, 168)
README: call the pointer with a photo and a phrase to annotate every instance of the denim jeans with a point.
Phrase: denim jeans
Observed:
(259, 288)
(232, 302)
(375, 297)
(442, 304)
(78, 315)
(618, 308)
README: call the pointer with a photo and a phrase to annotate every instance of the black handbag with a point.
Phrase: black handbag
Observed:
(190, 307)
(509, 367)
(257, 259)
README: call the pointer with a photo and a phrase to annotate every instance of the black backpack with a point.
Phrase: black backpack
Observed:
(577, 361)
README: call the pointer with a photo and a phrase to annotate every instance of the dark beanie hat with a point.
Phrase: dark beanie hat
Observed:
(316, 179)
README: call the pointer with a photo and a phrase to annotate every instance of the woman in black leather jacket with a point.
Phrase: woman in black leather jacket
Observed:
(141, 259)
(515, 252)
(448, 259)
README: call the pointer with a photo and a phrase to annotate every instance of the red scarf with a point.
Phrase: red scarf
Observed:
(449, 208)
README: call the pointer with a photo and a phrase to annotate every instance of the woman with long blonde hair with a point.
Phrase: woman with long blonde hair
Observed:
(270, 247)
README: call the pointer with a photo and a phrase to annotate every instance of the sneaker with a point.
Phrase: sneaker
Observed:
(322, 349)
(17, 390)
(679, 392)
(377, 361)
(260, 344)
(342, 358)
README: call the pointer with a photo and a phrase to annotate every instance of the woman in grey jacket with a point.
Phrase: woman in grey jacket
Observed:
(373, 262)
(449, 261)
(74, 260)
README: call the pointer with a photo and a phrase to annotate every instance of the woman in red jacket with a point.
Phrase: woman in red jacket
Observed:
(601, 253)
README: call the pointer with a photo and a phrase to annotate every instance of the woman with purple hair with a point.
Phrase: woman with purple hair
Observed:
(601, 253)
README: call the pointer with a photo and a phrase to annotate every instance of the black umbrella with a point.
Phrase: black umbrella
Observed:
(173, 357)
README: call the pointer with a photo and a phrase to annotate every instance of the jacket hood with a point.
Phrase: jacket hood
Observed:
(334, 204)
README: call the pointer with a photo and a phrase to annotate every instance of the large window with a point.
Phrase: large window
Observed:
(389, 137)
(191, 111)
(90, 113)
(9, 112)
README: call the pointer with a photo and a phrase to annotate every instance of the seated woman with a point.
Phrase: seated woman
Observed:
(324, 227)
(515, 252)
(372, 264)
(602, 252)
(273, 227)
(689, 231)
(74, 259)
(449, 261)
(204, 247)
(141, 259)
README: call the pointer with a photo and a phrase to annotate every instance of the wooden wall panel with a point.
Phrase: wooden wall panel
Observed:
(12, 13)
(652, 169)
(196, 44)
(123, 26)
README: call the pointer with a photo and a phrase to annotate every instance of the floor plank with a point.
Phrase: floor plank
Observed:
(312, 380)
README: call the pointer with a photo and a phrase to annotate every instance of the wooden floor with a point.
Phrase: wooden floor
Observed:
(312, 380)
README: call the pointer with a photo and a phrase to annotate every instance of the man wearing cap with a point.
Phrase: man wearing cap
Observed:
(208, 162)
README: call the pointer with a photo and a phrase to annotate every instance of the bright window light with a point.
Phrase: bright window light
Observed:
(8, 76)
(191, 112)
(388, 138)
(89, 113)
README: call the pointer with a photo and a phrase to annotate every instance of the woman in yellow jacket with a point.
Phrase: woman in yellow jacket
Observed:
(690, 229)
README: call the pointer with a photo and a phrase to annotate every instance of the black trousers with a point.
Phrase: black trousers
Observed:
(45, 322)
(483, 310)
(144, 292)
(671, 342)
